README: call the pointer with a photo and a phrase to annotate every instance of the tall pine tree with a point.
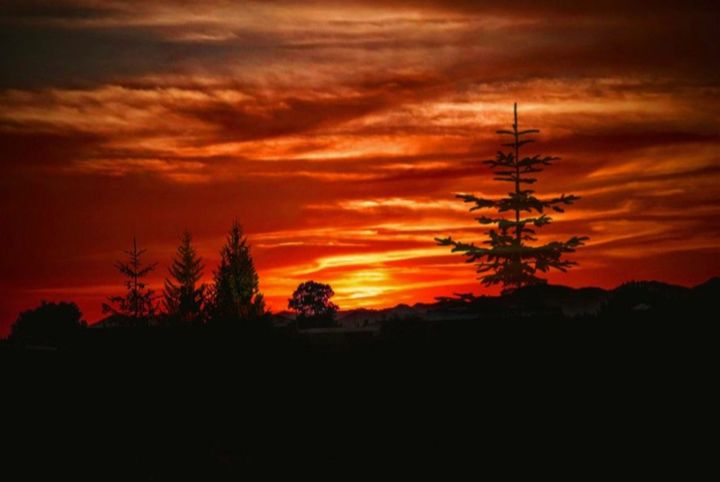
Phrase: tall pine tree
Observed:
(138, 303)
(184, 296)
(236, 293)
(507, 258)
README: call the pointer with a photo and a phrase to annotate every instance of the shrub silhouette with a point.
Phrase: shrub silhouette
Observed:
(509, 260)
(311, 301)
(48, 324)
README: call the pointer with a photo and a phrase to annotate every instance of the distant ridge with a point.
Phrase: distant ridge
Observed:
(541, 300)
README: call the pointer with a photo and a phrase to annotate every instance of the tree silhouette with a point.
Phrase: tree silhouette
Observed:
(312, 303)
(509, 260)
(184, 299)
(236, 294)
(48, 323)
(138, 304)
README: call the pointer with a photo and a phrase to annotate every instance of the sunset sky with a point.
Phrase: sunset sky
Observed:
(338, 132)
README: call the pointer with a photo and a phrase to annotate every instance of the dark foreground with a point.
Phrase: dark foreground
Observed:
(527, 395)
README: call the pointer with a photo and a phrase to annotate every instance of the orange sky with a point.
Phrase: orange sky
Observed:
(337, 136)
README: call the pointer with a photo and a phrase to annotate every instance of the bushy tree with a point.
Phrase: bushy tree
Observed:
(184, 295)
(507, 258)
(311, 302)
(236, 294)
(49, 323)
(138, 303)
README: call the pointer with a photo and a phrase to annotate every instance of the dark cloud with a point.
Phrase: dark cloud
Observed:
(660, 37)
(39, 10)
(31, 149)
(281, 117)
(39, 57)
(611, 8)
(626, 137)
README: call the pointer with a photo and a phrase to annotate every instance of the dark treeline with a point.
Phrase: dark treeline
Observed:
(232, 301)
(234, 296)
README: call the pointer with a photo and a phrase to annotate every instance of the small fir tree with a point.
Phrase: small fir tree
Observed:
(138, 304)
(507, 257)
(236, 293)
(184, 295)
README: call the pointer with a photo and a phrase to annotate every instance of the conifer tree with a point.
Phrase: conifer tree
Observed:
(507, 257)
(184, 297)
(138, 304)
(236, 293)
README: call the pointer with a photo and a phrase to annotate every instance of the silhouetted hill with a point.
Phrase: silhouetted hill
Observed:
(557, 301)
(707, 292)
(557, 298)
(643, 297)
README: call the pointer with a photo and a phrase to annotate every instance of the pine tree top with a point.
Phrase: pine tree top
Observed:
(187, 267)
